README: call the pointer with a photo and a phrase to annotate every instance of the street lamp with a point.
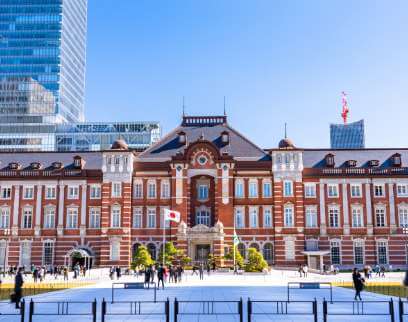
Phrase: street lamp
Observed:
(6, 233)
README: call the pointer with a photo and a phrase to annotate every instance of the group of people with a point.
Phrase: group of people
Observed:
(115, 271)
(378, 270)
(170, 274)
(303, 270)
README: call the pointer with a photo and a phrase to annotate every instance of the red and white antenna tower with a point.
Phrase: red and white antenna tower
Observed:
(345, 110)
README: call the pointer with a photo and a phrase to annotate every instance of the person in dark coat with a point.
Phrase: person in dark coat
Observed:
(358, 282)
(18, 285)
(147, 276)
(160, 276)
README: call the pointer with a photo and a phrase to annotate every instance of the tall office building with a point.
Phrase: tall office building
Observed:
(347, 136)
(43, 51)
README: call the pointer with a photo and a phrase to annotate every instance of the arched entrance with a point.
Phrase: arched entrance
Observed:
(82, 256)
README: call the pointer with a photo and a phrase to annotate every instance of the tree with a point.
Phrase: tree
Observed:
(142, 258)
(170, 254)
(239, 260)
(255, 261)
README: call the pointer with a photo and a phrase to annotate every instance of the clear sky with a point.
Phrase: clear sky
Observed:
(275, 61)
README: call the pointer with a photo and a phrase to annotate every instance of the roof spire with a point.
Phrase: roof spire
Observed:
(225, 110)
(184, 108)
(286, 131)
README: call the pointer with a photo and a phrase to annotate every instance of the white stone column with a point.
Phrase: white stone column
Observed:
(369, 209)
(322, 196)
(179, 184)
(393, 222)
(16, 209)
(61, 208)
(225, 183)
(83, 210)
(38, 207)
(346, 221)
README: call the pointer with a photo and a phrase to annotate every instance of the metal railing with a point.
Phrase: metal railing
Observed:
(140, 308)
(292, 308)
(20, 312)
(197, 308)
(73, 308)
(309, 286)
(358, 308)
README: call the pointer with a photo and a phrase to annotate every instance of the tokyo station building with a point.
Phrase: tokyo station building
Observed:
(316, 206)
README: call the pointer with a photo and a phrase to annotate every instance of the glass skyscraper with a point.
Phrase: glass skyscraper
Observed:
(42, 55)
(347, 136)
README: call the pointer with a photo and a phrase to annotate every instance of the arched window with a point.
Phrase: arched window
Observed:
(152, 250)
(254, 245)
(268, 252)
(241, 249)
(135, 249)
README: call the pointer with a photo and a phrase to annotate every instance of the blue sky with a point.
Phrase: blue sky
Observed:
(275, 61)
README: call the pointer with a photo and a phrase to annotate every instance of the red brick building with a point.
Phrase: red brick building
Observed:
(346, 207)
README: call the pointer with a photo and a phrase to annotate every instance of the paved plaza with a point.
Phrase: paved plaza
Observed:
(218, 287)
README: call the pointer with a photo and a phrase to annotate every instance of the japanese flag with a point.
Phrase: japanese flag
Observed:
(171, 215)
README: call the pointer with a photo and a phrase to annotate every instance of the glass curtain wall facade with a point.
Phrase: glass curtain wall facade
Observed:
(347, 136)
(42, 54)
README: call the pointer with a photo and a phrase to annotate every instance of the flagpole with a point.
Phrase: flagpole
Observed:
(233, 243)
(164, 236)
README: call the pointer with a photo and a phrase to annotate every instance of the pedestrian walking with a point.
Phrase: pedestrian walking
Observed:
(147, 277)
(18, 285)
(160, 276)
(358, 282)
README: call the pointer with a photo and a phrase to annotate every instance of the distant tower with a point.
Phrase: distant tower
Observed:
(347, 135)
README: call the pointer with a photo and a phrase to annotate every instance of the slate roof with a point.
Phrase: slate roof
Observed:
(314, 158)
(93, 160)
(240, 148)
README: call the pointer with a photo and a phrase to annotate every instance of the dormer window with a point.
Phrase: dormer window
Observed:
(396, 160)
(373, 163)
(182, 137)
(351, 163)
(225, 137)
(329, 159)
(14, 165)
(57, 165)
(77, 162)
(35, 165)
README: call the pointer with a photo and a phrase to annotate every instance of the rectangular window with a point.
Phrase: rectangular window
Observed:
(25, 254)
(6, 193)
(73, 192)
(380, 217)
(311, 217)
(137, 218)
(382, 252)
(239, 218)
(4, 218)
(335, 252)
(379, 190)
(310, 190)
(151, 218)
(403, 217)
(357, 214)
(115, 250)
(94, 218)
(202, 192)
(288, 189)
(253, 217)
(402, 190)
(3, 255)
(358, 252)
(289, 249)
(151, 190)
(72, 218)
(332, 190)
(288, 214)
(138, 190)
(95, 192)
(267, 189)
(355, 190)
(48, 253)
(49, 217)
(28, 193)
(253, 189)
(267, 217)
(116, 189)
(239, 189)
(27, 218)
(50, 192)
(334, 214)
(165, 189)
(115, 217)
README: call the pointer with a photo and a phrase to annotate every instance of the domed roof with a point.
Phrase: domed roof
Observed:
(286, 144)
(119, 144)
